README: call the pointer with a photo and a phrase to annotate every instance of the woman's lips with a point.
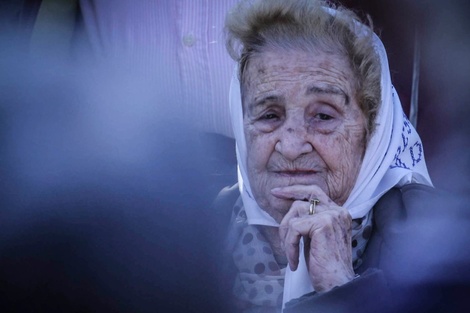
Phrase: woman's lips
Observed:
(296, 173)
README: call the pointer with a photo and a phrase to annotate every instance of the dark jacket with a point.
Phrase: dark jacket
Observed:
(417, 260)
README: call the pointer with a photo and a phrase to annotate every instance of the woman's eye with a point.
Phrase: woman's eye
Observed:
(323, 116)
(269, 116)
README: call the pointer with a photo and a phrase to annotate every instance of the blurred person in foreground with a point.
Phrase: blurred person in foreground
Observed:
(104, 193)
(334, 210)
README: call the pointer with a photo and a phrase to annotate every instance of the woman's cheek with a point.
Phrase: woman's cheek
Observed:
(323, 127)
(259, 148)
(342, 152)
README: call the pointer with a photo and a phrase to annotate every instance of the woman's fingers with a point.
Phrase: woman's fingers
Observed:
(327, 235)
(299, 209)
(291, 232)
(293, 226)
(291, 245)
(327, 244)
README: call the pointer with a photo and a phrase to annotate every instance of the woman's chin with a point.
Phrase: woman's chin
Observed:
(277, 208)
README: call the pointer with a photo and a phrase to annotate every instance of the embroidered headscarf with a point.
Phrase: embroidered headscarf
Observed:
(394, 157)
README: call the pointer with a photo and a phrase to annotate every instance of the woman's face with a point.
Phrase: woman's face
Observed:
(303, 125)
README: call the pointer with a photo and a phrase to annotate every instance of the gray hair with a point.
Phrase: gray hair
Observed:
(255, 26)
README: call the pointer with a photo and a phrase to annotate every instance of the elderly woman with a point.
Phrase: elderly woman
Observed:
(322, 142)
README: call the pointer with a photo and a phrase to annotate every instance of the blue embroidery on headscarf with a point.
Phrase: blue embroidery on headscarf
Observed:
(406, 130)
(419, 148)
(416, 151)
(397, 162)
(400, 159)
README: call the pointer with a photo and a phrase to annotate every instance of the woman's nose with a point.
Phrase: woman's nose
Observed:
(293, 142)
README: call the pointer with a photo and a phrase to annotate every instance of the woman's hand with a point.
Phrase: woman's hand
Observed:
(326, 233)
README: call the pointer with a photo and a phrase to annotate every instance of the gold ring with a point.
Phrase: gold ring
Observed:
(313, 203)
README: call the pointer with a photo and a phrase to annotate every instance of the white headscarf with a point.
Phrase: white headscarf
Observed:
(394, 157)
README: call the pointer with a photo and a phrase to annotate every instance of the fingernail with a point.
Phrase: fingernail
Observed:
(293, 267)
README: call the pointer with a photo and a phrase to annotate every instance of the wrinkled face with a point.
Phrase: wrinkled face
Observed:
(303, 126)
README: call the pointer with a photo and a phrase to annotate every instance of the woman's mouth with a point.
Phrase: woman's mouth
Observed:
(296, 173)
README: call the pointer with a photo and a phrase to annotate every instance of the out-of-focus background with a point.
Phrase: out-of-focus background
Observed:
(115, 138)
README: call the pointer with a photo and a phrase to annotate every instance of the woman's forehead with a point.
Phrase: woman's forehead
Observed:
(271, 70)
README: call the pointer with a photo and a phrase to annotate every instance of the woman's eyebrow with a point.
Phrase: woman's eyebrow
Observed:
(270, 98)
(332, 90)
